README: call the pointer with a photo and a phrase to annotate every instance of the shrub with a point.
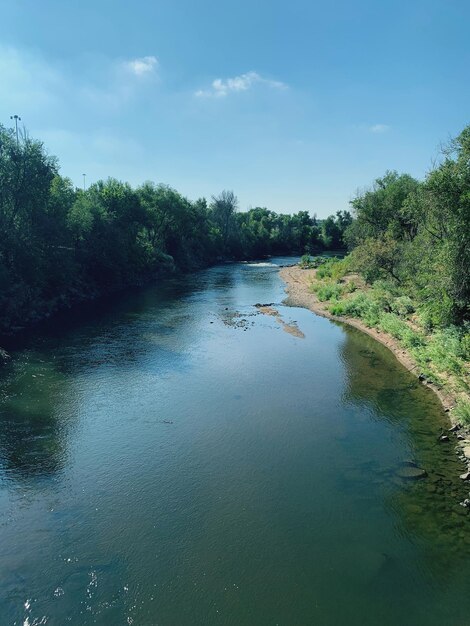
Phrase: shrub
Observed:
(361, 306)
(326, 268)
(402, 306)
(337, 308)
(306, 262)
(328, 291)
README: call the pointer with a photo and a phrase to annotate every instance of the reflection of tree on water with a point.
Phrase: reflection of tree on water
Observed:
(32, 433)
(35, 386)
(428, 510)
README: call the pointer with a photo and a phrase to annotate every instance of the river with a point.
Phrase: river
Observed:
(177, 458)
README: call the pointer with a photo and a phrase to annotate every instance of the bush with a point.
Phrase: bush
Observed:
(361, 306)
(402, 306)
(337, 308)
(306, 262)
(324, 271)
(328, 291)
(333, 268)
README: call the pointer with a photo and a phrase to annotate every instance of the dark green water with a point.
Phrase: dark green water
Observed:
(179, 459)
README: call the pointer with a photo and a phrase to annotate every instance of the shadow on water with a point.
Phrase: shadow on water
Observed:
(428, 510)
(119, 332)
(33, 437)
(34, 423)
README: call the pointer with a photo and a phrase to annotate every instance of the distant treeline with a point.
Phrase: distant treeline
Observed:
(60, 245)
(412, 238)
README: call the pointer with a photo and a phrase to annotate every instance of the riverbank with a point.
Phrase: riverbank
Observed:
(299, 293)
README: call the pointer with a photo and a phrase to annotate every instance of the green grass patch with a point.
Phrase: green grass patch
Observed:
(462, 411)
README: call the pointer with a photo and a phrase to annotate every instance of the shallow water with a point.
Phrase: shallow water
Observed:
(178, 458)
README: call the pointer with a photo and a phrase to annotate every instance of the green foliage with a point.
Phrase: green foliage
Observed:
(325, 267)
(410, 240)
(418, 235)
(444, 351)
(334, 228)
(379, 210)
(260, 232)
(361, 305)
(306, 262)
(328, 291)
(398, 328)
(60, 245)
(333, 268)
(402, 306)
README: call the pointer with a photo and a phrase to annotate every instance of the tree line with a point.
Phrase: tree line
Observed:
(414, 236)
(60, 244)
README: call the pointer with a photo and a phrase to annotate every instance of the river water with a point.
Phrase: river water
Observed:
(179, 459)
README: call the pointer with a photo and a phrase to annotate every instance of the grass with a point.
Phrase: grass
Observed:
(462, 411)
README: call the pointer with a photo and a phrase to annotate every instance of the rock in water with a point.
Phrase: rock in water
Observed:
(411, 473)
(408, 463)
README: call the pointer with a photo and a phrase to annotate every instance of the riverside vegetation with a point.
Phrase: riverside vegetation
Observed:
(408, 271)
(61, 245)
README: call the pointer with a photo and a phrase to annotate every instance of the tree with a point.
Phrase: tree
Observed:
(223, 208)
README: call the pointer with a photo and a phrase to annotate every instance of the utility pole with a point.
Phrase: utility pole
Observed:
(84, 184)
(16, 118)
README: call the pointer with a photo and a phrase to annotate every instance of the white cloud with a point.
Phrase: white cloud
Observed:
(379, 128)
(221, 88)
(141, 66)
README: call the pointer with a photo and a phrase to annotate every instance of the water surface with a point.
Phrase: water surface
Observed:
(179, 459)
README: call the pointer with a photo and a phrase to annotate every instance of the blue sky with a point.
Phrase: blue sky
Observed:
(293, 105)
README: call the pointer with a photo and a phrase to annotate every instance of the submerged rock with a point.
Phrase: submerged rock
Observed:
(410, 472)
(408, 463)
